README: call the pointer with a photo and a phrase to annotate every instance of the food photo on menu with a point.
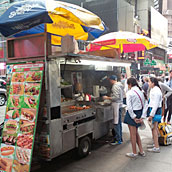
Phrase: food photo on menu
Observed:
(17, 89)
(7, 151)
(25, 141)
(27, 127)
(10, 126)
(15, 101)
(28, 114)
(12, 113)
(6, 164)
(9, 139)
(18, 77)
(21, 160)
(32, 89)
(33, 76)
(30, 102)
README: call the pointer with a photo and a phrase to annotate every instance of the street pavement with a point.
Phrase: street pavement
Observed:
(107, 158)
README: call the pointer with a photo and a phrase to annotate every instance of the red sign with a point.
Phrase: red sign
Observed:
(1, 52)
(170, 56)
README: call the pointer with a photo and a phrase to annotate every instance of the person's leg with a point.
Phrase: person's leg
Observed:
(124, 101)
(118, 128)
(117, 135)
(165, 114)
(120, 124)
(133, 138)
(169, 113)
(139, 143)
(155, 134)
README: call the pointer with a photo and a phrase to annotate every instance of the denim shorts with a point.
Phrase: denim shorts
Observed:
(128, 120)
(157, 117)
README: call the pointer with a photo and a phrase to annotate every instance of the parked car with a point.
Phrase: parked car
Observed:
(2, 83)
(3, 77)
(3, 96)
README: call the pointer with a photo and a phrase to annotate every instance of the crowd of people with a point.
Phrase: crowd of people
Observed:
(151, 100)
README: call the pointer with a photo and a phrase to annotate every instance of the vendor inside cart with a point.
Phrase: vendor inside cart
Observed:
(117, 98)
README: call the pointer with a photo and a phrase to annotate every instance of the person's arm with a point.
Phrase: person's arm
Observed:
(130, 107)
(145, 108)
(167, 89)
(156, 104)
(116, 92)
(168, 83)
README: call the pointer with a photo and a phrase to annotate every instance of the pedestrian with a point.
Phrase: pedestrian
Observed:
(154, 112)
(117, 101)
(169, 82)
(169, 100)
(167, 96)
(124, 83)
(135, 104)
(145, 85)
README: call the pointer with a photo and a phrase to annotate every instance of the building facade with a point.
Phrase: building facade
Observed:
(122, 15)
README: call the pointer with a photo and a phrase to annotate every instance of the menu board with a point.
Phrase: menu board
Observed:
(21, 118)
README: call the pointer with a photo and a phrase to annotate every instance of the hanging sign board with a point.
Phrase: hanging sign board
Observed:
(21, 117)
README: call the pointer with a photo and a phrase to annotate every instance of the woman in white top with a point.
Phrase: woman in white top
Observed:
(135, 106)
(154, 111)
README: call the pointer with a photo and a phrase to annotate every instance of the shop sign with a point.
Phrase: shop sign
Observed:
(1, 51)
(153, 63)
(170, 56)
(147, 62)
(21, 117)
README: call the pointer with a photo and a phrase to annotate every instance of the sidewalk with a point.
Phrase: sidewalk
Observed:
(107, 158)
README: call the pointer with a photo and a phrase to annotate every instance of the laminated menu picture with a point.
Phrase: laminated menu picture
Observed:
(33, 76)
(18, 133)
(27, 127)
(21, 160)
(17, 89)
(30, 102)
(12, 113)
(28, 114)
(18, 77)
(6, 164)
(25, 141)
(10, 126)
(32, 89)
(7, 151)
(15, 101)
(9, 139)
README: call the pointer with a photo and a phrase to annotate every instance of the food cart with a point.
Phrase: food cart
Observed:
(71, 111)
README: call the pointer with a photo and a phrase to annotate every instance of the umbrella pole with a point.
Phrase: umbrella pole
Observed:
(45, 57)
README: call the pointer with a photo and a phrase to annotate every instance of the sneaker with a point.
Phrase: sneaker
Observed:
(154, 149)
(142, 154)
(116, 143)
(150, 146)
(131, 155)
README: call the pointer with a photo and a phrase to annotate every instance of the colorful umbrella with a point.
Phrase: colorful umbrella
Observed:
(126, 41)
(61, 18)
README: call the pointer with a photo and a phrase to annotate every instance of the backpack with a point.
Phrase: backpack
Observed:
(165, 131)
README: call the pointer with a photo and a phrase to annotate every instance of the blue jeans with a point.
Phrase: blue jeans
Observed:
(118, 128)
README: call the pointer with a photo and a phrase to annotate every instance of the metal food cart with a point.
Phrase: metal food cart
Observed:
(66, 123)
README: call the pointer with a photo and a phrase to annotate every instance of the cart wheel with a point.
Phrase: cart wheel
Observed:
(84, 147)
